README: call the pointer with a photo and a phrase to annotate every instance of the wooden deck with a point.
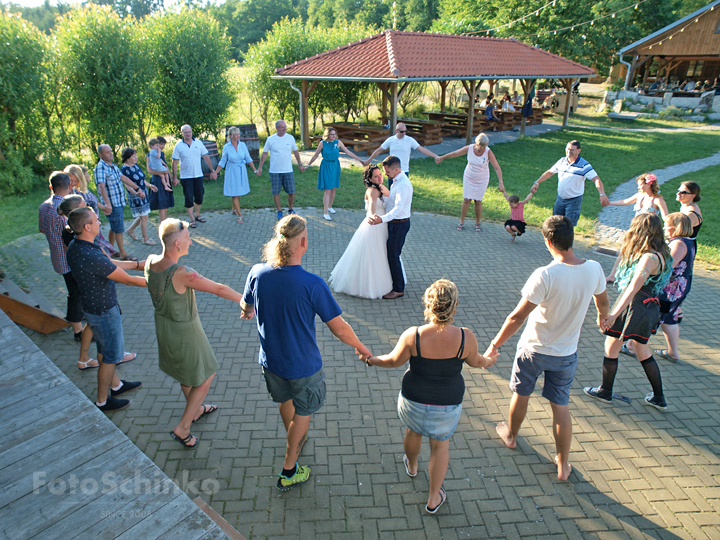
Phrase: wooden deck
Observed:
(66, 471)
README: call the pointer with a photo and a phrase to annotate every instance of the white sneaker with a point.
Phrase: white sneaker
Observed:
(331, 210)
(327, 216)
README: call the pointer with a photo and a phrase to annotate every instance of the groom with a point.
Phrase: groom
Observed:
(398, 219)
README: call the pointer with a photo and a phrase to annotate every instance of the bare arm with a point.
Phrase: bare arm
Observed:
(121, 276)
(152, 171)
(316, 154)
(258, 171)
(474, 358)
(185, 277)
(624, 202)
(247, 311)
(547, 174)
(678, 250)
(102, 190)
(660, 201)
(399, 355)
(299, 161)
(601, 190)
(427, 152)
(646, 267)
(456, 153)
(174, 171)
(512, 324)
(373, 155)
(344, 332)
(213, 174)
(129, 183)
(602, 304)
(527, 199)
(348, 152)
(496, 166)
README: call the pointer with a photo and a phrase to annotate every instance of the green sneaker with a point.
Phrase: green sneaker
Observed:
(302, 474)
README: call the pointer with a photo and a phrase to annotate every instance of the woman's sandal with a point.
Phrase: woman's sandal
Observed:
(192, 225)
(240, 219)
(443, 498)
(132, 235)
(185, 442)
(207, 409)
(200, 219)
(664, 353)
(478, 228)
(460, 227)
(406, 462)
(86, 365)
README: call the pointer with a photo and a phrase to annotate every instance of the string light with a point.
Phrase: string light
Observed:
(509, 25)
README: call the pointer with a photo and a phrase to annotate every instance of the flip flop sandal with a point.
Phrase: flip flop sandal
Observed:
(209, 409)
(132, 235)
(192, 225)
(123, 361)
(443, 498)
(406, 462)
(185, 442)
(200, 219)
(624, 349)
(85, 365)
(663, 353)
(240, 219)
(150, 243)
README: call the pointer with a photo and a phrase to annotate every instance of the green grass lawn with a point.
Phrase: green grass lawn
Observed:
(616, 155)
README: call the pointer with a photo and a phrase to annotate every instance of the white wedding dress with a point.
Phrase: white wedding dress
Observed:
(363, 269)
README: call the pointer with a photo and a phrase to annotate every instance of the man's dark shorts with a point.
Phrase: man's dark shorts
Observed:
(307, 394)
(285, 181)
(194, 190)
(116, 219)
(559, 374)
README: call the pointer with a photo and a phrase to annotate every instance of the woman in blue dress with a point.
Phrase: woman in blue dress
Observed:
(235, 157)
(329, 177)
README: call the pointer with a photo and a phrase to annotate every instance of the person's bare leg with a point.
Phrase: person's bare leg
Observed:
(296, 431)
(85, 346)
(276, 198)
(143, 228)
(287, 412)
(478, 211)
(236, 206)
(131, 229)
(510, 229)
(509, 430)
(111, 238)
(411, 444)
(464, 210)
(332, 197)
(562, 431)
(191, 214)
(672, 337)
(162, 215)
(326, 201)
(121, 244)
(198, 208)
(106, 378)
(611, 276)
(194, 396)
(77, 327)
(439, 458)
(291, 201)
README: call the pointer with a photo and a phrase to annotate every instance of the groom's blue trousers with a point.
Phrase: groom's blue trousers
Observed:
(397, 231)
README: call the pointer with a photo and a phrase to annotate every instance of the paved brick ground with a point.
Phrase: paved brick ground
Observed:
(638, 472)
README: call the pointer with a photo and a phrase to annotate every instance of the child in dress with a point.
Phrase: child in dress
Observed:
(645, 266)
(157, 164)
(516, 224)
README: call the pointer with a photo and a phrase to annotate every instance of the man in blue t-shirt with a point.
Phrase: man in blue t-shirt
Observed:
(286, 299)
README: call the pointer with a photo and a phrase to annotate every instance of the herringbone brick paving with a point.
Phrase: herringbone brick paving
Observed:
(638, 472)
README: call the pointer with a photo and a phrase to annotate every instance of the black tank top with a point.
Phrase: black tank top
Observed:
(696, 228)
(434, 381)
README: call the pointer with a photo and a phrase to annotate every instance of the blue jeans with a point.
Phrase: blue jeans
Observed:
(570, 208)
(117, 222)
(108, 331)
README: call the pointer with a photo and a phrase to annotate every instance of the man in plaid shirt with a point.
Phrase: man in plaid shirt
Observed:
(109, 181)
(51, 225)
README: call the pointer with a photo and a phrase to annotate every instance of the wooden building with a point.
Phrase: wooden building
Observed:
(687, 49)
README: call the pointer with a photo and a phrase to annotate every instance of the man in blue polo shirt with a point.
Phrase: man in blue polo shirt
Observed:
(572, 171)
(96, 275)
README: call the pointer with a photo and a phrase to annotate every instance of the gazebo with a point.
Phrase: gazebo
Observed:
(687, 48)
(394, 59)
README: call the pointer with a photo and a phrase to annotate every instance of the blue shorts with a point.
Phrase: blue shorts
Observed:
(559, 374)
(570, 208)
(432, 421)
(117, 222)
(307, 393)
(285, 181)
(108, 332)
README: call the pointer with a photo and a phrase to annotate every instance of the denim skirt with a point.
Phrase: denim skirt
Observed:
(433, 421)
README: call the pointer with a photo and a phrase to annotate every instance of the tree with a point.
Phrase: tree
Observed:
(190, 55)
(132, 8)
(104, 65)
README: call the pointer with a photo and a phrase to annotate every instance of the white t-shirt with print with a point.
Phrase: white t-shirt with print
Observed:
(280, 149)
(562, 293)
(401, 148)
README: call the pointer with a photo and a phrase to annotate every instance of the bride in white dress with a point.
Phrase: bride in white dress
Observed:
(363, 269)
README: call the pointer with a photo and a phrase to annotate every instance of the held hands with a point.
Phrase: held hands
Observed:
(604, 201)
(534, 189)
(175, 181)
(153, 188)
(438, 160)
(213, 175)
(374, 220)
(107, 209)
(248, 313)
(365, 163)
(258, 171)
(491, 355)
(302, 168)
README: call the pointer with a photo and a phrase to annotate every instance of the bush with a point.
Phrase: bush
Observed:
(16, 177)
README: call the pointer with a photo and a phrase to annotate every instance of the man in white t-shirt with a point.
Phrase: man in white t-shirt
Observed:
(281, 146)
(400, 145)
(555, 300)
(190, 152)
(572, 171)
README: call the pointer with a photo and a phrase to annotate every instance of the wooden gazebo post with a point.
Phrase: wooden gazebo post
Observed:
(306, 91)
(471, 89)
(567, 84)
(527, 86)
(443, 89)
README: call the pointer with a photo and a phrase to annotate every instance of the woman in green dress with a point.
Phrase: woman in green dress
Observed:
(183, 348)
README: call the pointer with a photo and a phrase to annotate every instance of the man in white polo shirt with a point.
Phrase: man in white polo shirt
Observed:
(400, 145)
(281, 147)
(572, 171)
(189, 152)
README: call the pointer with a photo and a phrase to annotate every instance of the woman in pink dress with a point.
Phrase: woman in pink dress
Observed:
(476, 177)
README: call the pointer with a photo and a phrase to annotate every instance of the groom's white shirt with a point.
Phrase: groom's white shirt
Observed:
(398, 203)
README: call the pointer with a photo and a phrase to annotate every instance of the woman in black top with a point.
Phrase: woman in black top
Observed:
(688, 195)
(430, 401)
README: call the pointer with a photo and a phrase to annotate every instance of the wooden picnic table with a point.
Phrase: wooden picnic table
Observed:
(360, 137)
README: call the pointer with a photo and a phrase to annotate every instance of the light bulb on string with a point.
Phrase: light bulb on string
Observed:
(613, 15)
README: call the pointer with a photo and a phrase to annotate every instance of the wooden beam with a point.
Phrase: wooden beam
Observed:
(527, 85)
(443, 89)
(567, 83)
(471, 90)
(393, 106)
(402, 90)
(631, 73)
(312, 87)
(304, 115)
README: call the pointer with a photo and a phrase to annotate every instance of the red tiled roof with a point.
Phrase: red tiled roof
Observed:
(394, 55)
